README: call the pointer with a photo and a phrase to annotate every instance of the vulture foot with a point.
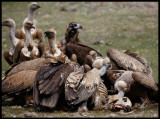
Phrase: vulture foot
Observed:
(145, 103)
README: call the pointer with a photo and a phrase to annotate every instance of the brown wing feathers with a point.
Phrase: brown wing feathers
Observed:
(49, 84)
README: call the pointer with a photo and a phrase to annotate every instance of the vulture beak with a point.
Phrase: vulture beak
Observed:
(34, 6)
(38, 6)
(103, 70)
(78, 26)
(48, 33)
(31, 26)
(121, 93)
(3, 23)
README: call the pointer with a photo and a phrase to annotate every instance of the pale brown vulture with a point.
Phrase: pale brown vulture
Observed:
(28, 50)
(81, 85)
(9, 55)
(19, 85)
(72, 44)
(37, 34)
(53, 50)
(19, 79)
(135, 80)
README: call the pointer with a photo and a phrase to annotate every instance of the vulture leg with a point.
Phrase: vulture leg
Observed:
(7, 57)
(83, 107)
(145, 102)
(29, 98)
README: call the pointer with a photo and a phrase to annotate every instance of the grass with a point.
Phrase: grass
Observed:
(127, 25)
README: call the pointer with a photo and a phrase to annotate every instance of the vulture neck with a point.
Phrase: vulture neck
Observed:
(12, 36)
(72, 38)
(52, 43)
(28, 39)
(30, 14)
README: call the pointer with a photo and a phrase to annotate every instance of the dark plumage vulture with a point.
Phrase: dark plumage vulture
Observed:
(72, 44)
(10, 55)
(49, 83)
(20, 85)
(80, 86)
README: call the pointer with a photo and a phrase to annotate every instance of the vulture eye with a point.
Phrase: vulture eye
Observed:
(73, 25)
(29, 24)
(7, 22)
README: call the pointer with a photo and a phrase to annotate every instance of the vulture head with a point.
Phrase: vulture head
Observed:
(73, 26)
(28, 25)
(33, 6)
(72, 30)
(99, 62)
(51, 33)
(93, 54)
(9, 23)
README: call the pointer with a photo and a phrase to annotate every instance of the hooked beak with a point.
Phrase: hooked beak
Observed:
(79, 26)
(103, 70)
(3, 23)
(33, 27)
(47, 33)
(36, 6)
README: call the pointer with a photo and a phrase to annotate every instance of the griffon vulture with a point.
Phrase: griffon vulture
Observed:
(28, 50)
(53, 50)
(9, 55)
(72, 44)
(19, 79)
(37, 34)
(80, 86)
(20, 85)
(135, 80)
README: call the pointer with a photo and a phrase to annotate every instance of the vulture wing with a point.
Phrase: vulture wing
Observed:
(28, 65)
(7, 57)
(49, 84)
(79, 86)
(18, 82)
(126, 61)
(80, 50)
(145, 79)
